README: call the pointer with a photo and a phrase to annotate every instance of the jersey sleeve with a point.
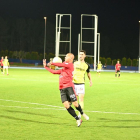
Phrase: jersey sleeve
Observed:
(88, 69)
(67, 65)
(53, 71)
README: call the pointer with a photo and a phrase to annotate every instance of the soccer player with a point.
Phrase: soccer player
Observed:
(99, 68)
(117, 69)
(1, 62)
(80, 68)
(5, 65)
(66, 86)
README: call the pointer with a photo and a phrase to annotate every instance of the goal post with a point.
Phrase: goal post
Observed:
(59, 28)
(93, 28)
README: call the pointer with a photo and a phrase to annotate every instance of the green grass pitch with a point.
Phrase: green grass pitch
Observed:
(31, 108)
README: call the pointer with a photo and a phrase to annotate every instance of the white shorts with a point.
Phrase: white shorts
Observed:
(79, 89)
(5, 67)
(98, 70)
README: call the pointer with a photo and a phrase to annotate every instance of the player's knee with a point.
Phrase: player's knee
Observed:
(81, 100)
(75, 104)
(66, 105)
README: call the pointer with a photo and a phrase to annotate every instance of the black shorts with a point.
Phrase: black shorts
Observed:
(117, 70)
(2, 67)
(68, 94)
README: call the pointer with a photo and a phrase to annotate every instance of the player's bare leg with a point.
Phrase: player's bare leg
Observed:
(3, 71)
(7, 71)
(99, 73)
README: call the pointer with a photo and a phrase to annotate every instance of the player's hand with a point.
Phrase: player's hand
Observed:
(49, 64)
(44, 62)
(90, 83)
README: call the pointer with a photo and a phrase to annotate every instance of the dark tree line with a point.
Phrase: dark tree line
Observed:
(26, 35)
(21, 34)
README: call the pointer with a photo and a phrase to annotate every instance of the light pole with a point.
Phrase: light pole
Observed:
(45, 36)
(139, 48)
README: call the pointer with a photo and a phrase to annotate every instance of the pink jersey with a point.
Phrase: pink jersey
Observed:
(66, 74)
(1, 62)
(118, 66)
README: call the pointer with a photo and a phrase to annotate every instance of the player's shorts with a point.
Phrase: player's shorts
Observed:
(68, 94)
(5, 67)
(117, 70)
(98, 70)
(79, 88)
(1, 67)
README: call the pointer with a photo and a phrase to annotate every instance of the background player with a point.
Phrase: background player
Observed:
(66, 86)
(99, 68)
(5, 65)
(1, 62)
(80, 68)
(117, 69)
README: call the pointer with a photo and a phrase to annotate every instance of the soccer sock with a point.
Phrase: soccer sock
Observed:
(115, 75)
(72, 112)
(80, 109)
(1, 70)
(119, 75)
(81, 104)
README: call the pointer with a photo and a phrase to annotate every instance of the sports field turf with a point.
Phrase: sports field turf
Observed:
(31, 109)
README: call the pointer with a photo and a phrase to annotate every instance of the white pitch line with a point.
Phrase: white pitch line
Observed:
(62, 108)
(29, 103)
(31, 107)
(112, 112)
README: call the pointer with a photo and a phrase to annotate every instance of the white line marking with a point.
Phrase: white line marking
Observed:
(30, 103)
(75, 110)
(31, 107)
(61, 108)
(113, 112)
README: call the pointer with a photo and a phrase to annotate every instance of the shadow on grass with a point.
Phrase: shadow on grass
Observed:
(33, 121)
(65, 124)
(115, 120)
(119, 126)
(30, 113)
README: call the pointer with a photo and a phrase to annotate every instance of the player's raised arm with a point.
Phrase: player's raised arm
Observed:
(50, 70)
(53, 71)
(64, 64)
(68, 59)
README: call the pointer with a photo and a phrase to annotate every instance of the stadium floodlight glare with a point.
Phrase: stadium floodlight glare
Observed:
(45, 36)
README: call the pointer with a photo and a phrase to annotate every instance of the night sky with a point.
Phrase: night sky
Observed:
(117, 19)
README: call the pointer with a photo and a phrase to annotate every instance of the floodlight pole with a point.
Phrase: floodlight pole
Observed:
(45, 36)
(78, 45)
(95, 39)
(139, 48)
(98, 47)
(58, 37)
